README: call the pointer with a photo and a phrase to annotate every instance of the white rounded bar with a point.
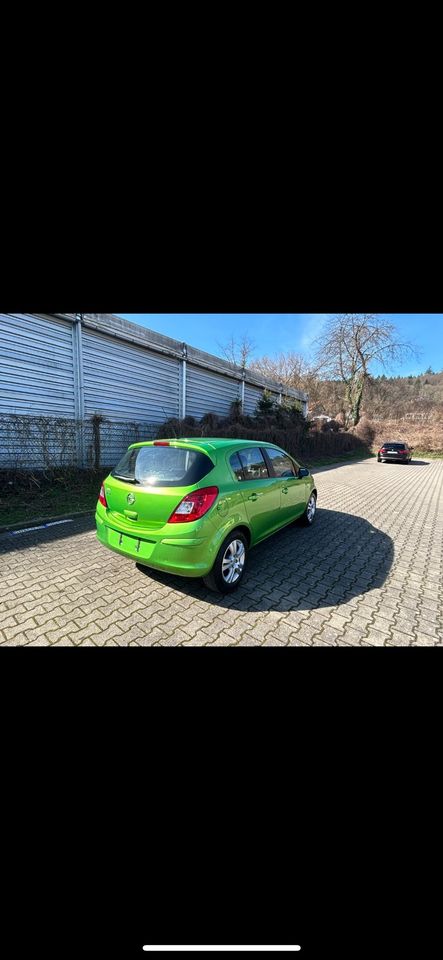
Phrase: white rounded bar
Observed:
(242, 949)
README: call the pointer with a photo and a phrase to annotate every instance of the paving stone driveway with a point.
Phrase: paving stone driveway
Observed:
(369, 572)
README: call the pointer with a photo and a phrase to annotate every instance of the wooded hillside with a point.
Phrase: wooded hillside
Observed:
(410, 408)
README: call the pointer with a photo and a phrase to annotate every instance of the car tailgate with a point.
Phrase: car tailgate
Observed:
(140, 508)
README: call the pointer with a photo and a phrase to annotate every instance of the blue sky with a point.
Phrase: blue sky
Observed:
(279, 332)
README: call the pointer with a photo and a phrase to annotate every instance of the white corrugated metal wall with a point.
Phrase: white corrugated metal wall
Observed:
(36, 379)
(69, 368)
(208, 392)
(36, 366)
(252, 395)
(126, 382)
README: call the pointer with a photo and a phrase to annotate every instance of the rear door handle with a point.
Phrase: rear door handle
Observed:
(284, 489)
(254, 496)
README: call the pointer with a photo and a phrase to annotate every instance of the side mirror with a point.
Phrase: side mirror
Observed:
(303, 472)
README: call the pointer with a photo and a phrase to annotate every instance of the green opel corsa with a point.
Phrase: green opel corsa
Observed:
(194, 507)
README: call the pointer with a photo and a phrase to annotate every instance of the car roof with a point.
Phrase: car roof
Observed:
(212, 443)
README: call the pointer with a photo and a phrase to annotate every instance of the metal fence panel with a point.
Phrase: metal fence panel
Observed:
(47, 443)
(115, 438)
(127, 382)
(29, 442)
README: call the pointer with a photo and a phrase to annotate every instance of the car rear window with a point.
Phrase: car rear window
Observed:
(254, 464)
(163, 466)
(394, 446)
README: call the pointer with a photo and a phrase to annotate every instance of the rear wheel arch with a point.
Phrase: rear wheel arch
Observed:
(218, 577)
(226, 530)
(242, 528)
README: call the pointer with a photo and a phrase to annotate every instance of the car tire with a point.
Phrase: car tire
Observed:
(307, 518)
(230, 561)
(378, 459)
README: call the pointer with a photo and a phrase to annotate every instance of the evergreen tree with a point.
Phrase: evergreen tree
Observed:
(265, 405)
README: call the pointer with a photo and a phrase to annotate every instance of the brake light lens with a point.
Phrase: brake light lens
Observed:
(194, 505)
(102, 497)
(161, 443)
(382, 450)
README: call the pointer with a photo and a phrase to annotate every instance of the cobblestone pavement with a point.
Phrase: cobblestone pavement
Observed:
(368, 573)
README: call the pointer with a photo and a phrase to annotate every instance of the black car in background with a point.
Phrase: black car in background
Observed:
(394, 451)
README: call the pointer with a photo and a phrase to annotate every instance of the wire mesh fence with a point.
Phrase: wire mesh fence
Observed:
(53, 443)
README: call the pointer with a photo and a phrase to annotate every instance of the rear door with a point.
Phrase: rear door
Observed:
(149, 482)
(261, 493)
(138, 507)
(293, 489)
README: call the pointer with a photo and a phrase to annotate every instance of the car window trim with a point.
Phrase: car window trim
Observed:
(268, 462)
(235, 453)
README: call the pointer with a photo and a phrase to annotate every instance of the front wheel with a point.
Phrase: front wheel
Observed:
(229, 564)
(308, 517)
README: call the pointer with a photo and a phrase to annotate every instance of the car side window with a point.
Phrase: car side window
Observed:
(282, 465)
(236, 466)
(254, 464)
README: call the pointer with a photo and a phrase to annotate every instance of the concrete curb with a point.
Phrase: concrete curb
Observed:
(38, 520)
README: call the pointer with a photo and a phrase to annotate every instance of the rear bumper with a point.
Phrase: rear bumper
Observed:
(402, 459)
(190, 557)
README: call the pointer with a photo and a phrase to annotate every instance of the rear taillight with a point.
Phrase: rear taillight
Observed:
(194, 505)
(102, 497)
(382, 450)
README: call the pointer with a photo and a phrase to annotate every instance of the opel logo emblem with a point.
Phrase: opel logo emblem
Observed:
(130, 498)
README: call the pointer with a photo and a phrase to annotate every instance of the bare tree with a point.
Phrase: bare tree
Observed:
(349, 344)
(238, 350)
(291, 369)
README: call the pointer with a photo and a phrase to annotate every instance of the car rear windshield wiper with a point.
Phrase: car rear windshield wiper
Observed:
(118, 476)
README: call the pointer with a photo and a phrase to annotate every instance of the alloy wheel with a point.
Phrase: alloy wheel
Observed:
(233, 561)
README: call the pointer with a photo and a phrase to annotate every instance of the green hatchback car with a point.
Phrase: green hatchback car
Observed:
(194, 507)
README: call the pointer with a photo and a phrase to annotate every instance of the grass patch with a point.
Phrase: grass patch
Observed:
(426, 454)
(19, 505)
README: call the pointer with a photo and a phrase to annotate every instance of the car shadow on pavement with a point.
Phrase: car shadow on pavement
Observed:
(341, 556)
(305, 568)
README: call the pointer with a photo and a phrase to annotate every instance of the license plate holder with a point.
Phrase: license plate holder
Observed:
(123, 539)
